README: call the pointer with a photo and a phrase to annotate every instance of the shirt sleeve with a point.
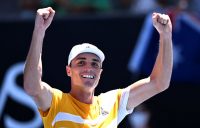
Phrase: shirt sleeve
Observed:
(122, 112)
(56, 97)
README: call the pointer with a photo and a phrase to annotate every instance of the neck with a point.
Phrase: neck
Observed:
(82, 96)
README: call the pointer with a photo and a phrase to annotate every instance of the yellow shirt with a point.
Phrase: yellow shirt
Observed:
(107, 110)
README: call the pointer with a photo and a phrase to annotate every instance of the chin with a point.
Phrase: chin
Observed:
(89, 84)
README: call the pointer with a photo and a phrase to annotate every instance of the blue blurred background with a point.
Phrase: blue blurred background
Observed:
(123, 30)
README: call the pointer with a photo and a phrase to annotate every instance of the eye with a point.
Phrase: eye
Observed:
(95, 65)
(81, 63)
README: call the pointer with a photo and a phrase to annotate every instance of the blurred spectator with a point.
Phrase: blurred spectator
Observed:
(140, 118)
(142, 7)
(78, 6)
(121, 5)
(171, 7)
(18, 9)
(192, 7)
(64, 7)
(21, 9)
(28, 8)
(166, 3)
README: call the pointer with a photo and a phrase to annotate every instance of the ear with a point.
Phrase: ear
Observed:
(101, 70)
(68, 70)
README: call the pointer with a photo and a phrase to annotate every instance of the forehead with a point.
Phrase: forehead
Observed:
(87, 56)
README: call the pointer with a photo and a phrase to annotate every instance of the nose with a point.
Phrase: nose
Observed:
(88, 67)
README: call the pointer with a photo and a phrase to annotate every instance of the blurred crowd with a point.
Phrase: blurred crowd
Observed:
(25, 9)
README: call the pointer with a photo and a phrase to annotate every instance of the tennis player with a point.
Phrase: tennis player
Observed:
(80, 108)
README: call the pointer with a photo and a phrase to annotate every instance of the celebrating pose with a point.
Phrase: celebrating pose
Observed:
(80, 108)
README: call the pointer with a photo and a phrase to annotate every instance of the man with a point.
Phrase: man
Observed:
(79, 107)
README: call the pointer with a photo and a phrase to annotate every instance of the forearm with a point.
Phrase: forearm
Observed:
(33, 65)
(161, 74)
(162, 70)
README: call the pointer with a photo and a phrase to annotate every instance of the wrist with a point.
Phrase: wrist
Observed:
(166, 36)
(38, 31)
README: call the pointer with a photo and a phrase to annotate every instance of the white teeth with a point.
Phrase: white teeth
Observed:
(88, 76)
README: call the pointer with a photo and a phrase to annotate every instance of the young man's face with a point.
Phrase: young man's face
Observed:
(85, 71)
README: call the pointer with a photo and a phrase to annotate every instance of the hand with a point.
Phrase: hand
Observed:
(162, 23)
(44, 18)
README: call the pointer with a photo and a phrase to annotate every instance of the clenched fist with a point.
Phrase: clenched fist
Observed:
(44, 18)
(162, 23)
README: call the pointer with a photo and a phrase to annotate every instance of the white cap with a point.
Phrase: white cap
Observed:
(85, 48)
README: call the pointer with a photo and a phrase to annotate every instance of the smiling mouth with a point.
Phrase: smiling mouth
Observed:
(87, 76)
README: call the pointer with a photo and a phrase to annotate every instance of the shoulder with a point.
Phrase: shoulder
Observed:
(110, 97)
(118, 97)
(117, 93)
(58, 95)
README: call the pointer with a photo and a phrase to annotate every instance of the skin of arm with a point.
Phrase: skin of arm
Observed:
(33, 84)
(160, 76)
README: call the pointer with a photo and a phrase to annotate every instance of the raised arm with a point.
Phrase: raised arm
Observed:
(33, 85)
(160, 76)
